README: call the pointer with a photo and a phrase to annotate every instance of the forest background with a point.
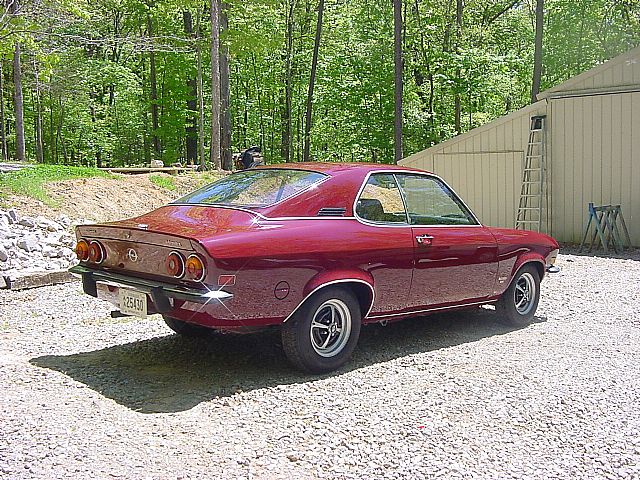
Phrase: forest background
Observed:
(123, 82)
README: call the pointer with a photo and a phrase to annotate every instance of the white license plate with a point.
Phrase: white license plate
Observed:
(132, 302)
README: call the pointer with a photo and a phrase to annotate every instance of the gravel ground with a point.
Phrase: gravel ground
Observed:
(447, 396)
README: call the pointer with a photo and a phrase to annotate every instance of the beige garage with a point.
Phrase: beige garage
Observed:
(592, 130)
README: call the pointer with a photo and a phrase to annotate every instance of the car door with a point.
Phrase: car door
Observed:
(455, 257)
(384, 241)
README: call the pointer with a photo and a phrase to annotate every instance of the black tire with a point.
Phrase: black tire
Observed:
(304, 340)
(186, 329)
(513, 308)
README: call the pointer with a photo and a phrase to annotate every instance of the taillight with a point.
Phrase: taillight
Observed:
(174, 264)
(82, 250)
(195, 268)
(96, 252)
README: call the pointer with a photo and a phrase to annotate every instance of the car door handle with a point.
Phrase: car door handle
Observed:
(424, 240)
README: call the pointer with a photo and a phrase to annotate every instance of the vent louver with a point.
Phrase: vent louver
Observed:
(332, 212)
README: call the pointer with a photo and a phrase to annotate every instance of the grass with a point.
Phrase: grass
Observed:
(30, 181)
(163, 181)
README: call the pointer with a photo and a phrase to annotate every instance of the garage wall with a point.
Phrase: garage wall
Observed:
(619, 74)
(595, 158)
(484, 165)
(489, 183)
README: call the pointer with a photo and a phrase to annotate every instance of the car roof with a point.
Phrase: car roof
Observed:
(332, 168)
(339, 190)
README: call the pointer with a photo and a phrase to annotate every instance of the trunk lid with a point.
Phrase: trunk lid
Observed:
(142, 244)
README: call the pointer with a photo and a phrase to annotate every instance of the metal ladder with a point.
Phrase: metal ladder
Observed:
(533, 206)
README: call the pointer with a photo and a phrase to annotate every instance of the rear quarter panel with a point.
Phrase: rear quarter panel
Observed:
(305, 254)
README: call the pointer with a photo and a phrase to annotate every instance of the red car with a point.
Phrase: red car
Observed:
(317, 249)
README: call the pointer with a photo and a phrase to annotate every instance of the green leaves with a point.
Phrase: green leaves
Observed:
(92, 63)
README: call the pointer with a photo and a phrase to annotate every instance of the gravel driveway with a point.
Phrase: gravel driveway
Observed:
(447, 396)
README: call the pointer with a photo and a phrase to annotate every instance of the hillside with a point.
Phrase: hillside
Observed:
(105, 199)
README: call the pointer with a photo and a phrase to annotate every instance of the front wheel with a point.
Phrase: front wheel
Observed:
(519, 302)
(323, 333)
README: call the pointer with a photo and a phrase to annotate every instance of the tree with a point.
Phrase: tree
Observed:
(225, 94)
(288, 85)
(192, 102)
(398, 76)
(537, 58)
(457, 101)
(312, 82)
(3, 133)
(153, 88)
(215, 84)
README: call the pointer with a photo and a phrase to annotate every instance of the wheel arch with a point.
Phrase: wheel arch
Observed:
(535, 260)
(361, 288)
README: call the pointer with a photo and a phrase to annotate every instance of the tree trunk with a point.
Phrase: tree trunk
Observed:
(191, 128)
(38, 119)
(537, 56)
(288, 86)
(153, 87)
(225, 94)
(3, 133)
(215, 84)
(18, 103)
(397, 124)
(458, 104)
(312, 81)
(259, 96)
(203, 160)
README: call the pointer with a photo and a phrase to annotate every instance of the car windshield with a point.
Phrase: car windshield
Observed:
(254, 188)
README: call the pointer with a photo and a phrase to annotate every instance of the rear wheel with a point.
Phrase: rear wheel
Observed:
(186, 329)
(323, 333)
(519, 302)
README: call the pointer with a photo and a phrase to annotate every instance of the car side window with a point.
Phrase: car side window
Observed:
(430, 202)
(381, 201)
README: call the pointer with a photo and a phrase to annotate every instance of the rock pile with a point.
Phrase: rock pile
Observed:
(34, 244)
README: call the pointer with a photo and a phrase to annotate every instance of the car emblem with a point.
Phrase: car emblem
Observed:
(132, 255)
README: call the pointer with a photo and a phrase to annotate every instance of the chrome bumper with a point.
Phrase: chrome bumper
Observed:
(553, 269)
(161, 293)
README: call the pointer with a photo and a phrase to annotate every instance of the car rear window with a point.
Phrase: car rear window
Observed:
(254, 188)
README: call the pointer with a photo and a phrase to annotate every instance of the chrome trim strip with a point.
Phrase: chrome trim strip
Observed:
(260, 215)
(333, 282)
(434, 309)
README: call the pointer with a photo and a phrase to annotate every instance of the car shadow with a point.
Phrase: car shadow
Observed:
(174, 373)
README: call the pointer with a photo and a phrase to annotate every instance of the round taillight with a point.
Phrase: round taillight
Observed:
(96, 252)
(82, 250)
(174, 264)
(195, 268)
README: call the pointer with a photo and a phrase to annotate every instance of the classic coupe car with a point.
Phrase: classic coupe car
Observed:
(316, 249)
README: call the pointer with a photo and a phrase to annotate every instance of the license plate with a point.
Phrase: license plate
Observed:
(132, 302)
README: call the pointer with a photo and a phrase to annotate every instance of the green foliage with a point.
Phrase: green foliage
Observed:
(88, 77)
(163, 181)
(30, 181)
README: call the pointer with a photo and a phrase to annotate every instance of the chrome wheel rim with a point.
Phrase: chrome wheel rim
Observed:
(524, 294)
(330, 328)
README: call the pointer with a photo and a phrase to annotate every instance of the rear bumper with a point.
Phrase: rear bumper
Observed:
(162, 294)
